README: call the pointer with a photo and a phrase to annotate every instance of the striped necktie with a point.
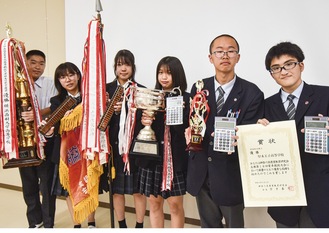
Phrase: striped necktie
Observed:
(220, 99)
(291, 110)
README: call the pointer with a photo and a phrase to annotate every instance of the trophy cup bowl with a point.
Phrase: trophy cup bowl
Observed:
(149, 100)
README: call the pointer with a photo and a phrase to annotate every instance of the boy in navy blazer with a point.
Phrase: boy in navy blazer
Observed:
(214, 177)
(285, 63)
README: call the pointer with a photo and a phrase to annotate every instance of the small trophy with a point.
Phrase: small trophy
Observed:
(198, 117)
(150, 101)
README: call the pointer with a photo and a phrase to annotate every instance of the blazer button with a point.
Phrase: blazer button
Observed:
(209, 159)
(211, 143)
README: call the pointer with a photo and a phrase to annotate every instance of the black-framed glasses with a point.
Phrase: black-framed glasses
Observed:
(69, 76)
(230, 53)
(287, 66)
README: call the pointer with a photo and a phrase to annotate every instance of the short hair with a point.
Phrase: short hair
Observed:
(62, 70)
(35, 52)
(126, 57)
(283, 48)
(223, 35)
(176, 69)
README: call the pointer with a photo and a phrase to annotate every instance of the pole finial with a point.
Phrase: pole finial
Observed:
(99, 6)
(8, 30)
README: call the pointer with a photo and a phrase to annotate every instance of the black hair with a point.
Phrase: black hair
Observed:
(125, 57)
(35, 52)
(223, 35)
(63, 70)
(176, 69)
(283, 48)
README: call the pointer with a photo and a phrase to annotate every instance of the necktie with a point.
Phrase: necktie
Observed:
(291, 110)
(78, 99)
(220, 99)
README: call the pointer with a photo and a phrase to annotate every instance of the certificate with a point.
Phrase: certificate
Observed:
(270, 165)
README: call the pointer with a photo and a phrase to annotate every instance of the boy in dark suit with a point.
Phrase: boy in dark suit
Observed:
(285, 63)
(214, 177)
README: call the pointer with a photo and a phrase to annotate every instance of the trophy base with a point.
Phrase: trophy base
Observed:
(27, 158)
(145, 149)
(195, 144)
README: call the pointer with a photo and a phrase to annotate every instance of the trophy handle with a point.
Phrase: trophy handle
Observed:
(177, 89)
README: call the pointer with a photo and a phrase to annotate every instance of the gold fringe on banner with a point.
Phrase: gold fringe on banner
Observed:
(71, 121)
(94, 170)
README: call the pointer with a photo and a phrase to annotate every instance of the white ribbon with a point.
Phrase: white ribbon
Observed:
(12, 54)
(93, 95)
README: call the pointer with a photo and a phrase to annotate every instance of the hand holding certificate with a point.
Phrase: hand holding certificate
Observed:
(270, 165)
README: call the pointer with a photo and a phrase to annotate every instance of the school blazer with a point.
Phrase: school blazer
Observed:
(114, 127)
(221, 169)
(55, 102)
(314, 100)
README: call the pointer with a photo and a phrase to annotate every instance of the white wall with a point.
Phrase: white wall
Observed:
(39, 24)
(153, 29)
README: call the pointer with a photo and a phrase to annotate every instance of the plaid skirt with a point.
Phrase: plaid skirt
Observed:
(125, 184)
(149, 182)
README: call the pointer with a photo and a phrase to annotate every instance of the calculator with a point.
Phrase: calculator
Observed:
(224, 130)
(174, 110)
(316, 139)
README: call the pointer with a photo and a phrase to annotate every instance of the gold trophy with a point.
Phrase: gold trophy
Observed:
(26, 132)
(26, 153)
(198, 117)
(150, 101)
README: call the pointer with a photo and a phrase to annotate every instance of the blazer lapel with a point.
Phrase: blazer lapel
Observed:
(304, 103)
(277, 104)
(112, 87)
(209, 85)
(234, 98)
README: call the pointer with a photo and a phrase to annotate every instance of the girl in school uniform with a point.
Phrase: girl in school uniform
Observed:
(155, 180)
(124, 183)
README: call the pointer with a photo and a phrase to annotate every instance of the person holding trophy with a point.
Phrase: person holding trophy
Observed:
(165, 178)
(124, 182)
(213, 177)
(38, 179)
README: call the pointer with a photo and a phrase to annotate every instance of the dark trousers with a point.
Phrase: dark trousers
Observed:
(304, 221)
(211, 214)
(36, 180)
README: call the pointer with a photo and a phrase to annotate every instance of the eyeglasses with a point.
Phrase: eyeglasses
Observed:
(69, 76)
(287, 66)
(230, 53)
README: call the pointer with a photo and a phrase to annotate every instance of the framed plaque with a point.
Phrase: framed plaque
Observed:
(145, 149)
(270, 165)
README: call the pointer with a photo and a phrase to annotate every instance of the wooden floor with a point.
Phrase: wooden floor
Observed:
(13, 209)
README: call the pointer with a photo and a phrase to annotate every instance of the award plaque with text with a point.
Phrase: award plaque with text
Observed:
(270, 165)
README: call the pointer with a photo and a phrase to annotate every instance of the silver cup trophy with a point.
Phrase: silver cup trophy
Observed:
(149, 100)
